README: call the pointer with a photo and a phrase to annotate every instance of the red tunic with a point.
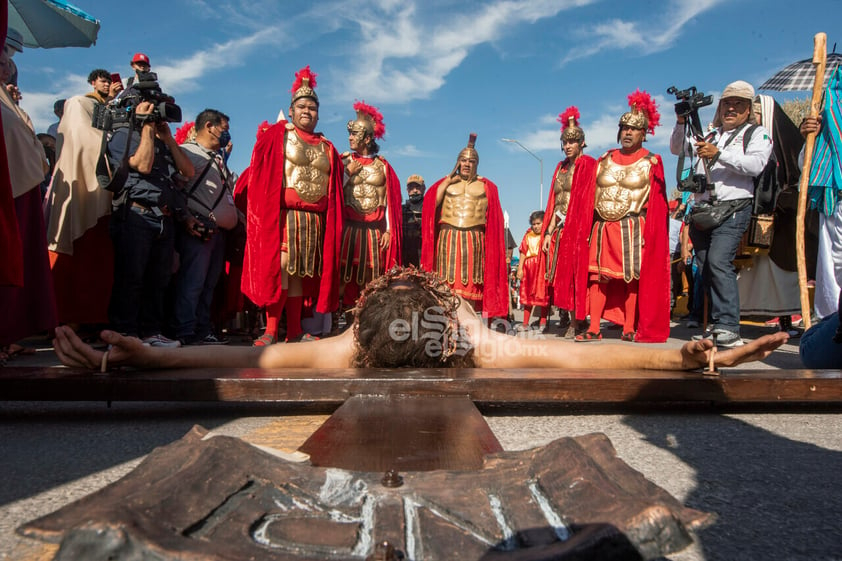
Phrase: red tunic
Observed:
(570, 285)
(267, 196)
(653, 300)
(495, 298)
(393, 207)
(533, 290)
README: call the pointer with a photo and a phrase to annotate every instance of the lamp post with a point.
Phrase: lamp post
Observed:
(540, 161)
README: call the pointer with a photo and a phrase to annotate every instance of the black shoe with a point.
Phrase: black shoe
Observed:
(211, 339)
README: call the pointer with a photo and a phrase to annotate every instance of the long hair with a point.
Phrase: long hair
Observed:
(406, 318)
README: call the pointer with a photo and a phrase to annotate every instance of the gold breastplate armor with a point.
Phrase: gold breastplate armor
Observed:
(621, 190)
(306, 169)
(465, 204)
(561, 187)
(533, 245)
(365, 191)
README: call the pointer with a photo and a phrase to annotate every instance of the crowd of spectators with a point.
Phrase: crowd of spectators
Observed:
(153, 247)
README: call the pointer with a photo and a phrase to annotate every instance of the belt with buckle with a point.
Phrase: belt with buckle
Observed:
(157, 211)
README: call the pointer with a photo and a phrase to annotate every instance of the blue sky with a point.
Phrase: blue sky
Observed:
(439, 70)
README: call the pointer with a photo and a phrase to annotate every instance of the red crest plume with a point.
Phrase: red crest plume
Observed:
(571, 112)
(643, 102)
(182, 133)
(261, 128)
(375, 116)
(301, 75)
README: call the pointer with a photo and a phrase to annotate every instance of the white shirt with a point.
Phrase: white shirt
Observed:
(734, 171)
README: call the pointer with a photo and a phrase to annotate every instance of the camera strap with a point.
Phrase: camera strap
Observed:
(113, 180)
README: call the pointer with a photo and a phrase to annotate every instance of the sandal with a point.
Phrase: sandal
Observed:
(588, 336)
(629, 336)
(264, 340)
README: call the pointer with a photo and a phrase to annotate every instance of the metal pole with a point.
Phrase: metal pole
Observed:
(540, 161)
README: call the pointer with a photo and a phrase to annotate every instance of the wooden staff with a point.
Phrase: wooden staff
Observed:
(819, 61)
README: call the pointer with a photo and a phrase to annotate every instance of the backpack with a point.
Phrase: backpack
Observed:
(767, 185)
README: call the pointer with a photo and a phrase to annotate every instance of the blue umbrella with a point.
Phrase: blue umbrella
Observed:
(52, 23)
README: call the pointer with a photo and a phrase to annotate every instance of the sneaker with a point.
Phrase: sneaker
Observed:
(211, 339)
(160, 341)
(724, 339)
(693, 324)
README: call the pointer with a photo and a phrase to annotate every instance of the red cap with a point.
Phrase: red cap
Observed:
(140, 57)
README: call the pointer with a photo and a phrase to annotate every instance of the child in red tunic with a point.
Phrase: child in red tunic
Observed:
(532, 282)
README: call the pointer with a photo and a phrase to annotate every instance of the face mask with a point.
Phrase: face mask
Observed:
(224, 139)
(416, 197)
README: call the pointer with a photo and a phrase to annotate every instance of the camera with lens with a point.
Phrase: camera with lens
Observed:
(122, 111)
(689, 103)
(694, 183)
(689, 100)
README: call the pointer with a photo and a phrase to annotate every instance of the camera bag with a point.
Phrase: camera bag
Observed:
(767, 187)
(207, 223)
(707, 215)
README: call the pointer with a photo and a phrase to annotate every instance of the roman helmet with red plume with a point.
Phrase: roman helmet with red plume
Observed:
(570, 129)
(643, 114)
(185, 132)
(369, 119)
(304, 85)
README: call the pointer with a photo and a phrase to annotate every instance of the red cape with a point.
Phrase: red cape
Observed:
(262, 261)
(570, 285)
(11, 248)
(395, 213)
(653, 300)
(393, 193)
(495, 289)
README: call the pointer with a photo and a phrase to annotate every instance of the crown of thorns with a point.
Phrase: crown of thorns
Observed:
(431, 283)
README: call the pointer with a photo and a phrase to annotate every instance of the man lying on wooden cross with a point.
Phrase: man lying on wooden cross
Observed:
(410, 319)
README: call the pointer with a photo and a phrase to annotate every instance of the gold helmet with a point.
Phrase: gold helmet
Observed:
(570, 129)
(369, 120)
(643, 114)
(304, 85)
(469, 149)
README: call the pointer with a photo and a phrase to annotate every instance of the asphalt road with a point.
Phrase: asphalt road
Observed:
(770, 477)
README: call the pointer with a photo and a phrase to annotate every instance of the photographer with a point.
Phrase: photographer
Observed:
(142, 222)
(201, 242)
(730, 168)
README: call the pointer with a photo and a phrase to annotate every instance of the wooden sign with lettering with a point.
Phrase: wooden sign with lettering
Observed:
(220, 498)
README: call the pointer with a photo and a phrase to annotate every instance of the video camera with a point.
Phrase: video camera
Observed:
(122, 110)
(689, 103)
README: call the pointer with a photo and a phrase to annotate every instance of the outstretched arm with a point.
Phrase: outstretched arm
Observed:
(334, 352)
(497, 350)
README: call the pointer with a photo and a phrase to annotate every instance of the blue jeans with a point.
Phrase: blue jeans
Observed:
(817, 349)
(715, 251)
(143, 253)
(200, 264)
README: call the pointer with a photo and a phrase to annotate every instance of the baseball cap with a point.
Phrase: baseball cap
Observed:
(415, 178)
(14, 39)
(140, 57)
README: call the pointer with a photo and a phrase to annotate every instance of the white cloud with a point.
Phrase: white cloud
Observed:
(408, 57)
(409, 150)
(184, 75)
(652, 34)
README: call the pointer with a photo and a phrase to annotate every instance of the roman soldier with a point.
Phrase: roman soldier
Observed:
(629, 255)
(567, 223)
(371, 235)
(294, 224)
(463, 235)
